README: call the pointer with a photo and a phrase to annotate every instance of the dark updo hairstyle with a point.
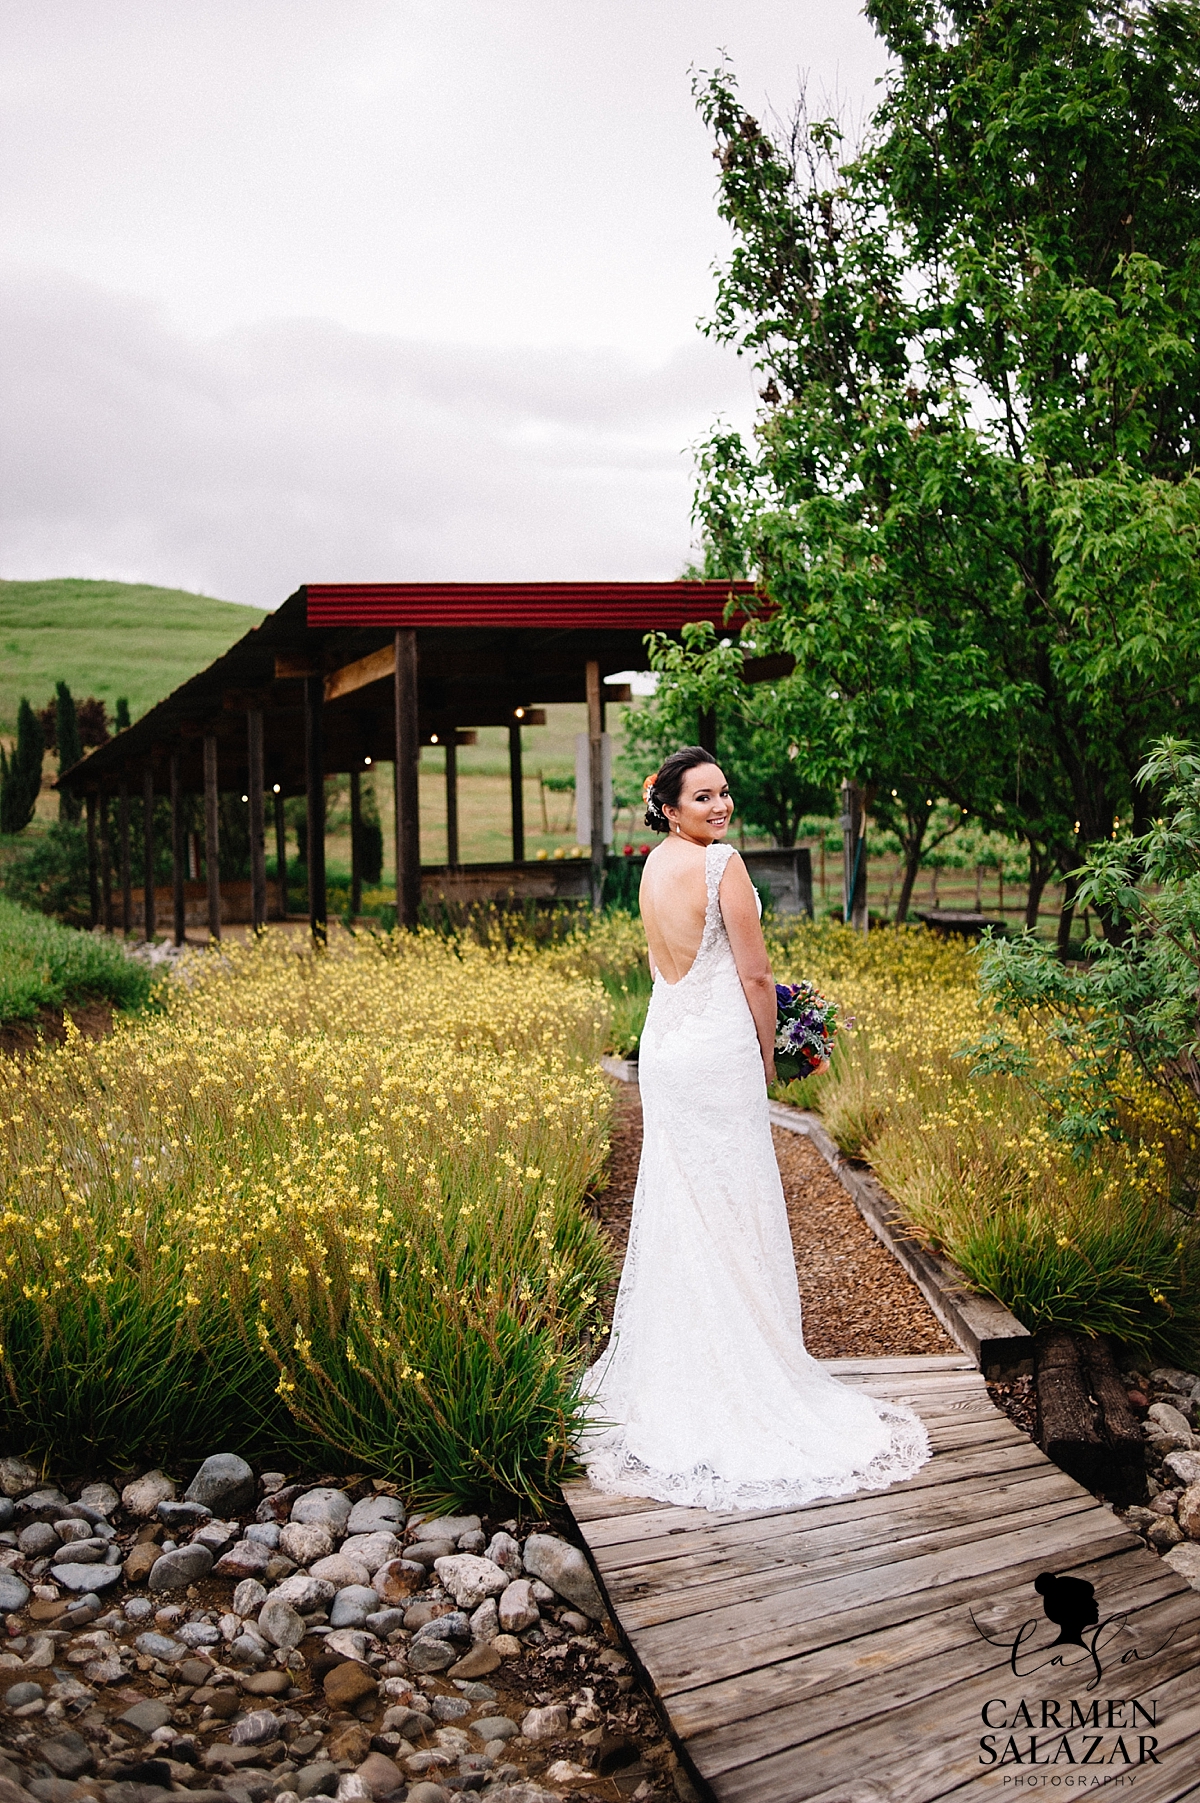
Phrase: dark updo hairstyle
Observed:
(668, 784)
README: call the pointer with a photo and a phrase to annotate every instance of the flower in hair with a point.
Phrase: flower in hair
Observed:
(648, 787)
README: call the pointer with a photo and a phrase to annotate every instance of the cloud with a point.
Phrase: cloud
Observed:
(246, 463)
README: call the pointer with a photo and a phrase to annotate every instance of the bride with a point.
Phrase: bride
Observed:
(705, 1395)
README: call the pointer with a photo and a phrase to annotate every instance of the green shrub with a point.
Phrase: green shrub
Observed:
(44, 964)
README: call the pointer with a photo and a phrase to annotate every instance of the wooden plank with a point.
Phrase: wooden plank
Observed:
(915, 1361)
(372, 668)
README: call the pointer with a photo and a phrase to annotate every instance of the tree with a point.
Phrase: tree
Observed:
(70, 749)
(121, 718)
(972, 499)
(21, 773)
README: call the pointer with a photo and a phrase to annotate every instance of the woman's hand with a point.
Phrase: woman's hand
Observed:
(769, 1068)
(818, 1070)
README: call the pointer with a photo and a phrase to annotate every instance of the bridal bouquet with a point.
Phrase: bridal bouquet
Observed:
(805, 1024)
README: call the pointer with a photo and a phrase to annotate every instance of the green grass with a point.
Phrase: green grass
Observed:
(44, 964)
(108, 639)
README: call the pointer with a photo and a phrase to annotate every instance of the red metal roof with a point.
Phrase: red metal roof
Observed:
(640, 605)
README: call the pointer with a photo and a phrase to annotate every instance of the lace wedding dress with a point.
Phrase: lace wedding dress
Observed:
(705, 1395)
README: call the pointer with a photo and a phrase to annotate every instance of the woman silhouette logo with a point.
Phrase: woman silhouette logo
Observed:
(1070, 1603)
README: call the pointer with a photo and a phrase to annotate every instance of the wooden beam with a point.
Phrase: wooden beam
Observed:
(595, 708)
(314, 765)
(373, 668)
(148, 920)
(516, 783)
(408, 834)
(453, 741)
(255, 781)
(281, 856)
(291, 665)
(178, 855)
(106, 864)
(355, 843)
(126, 871)
(212, 836)
(93, 858)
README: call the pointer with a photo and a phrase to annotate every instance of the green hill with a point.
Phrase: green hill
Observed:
(108, 639)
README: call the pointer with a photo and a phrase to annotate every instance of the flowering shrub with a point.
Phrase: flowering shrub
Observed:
(331, 1198)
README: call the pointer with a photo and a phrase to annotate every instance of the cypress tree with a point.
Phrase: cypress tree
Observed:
(70, 750)
(122, 720)
(21, 774)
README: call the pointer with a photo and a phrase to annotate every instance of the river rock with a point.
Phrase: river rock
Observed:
(376, 1514)
(398, 1580)
(17, 1477)
(548, 1723)
(254, 1729)
(140, 1562)
(38, 1540)
(85, 1577)
(340, 1571)
(305, 1541)
(381, 1775)
(566, 1571)
(281, 1624)
(478, 1663)
(179, 1516)
(372, 1550)
(224, 1483)
(14, 1592)
(1188, 1512)
(1169, 1420)
(485, 1622)
(470, 1579)
(447, 1527)
(306, 1593)
(348, 1684)
(143, 1496)
(246, 1559)
(101, 1497)
(350, 1643)
(249, 1597)
(352, 1606)
(505, 1552)
(185, 1565)
(495, 1727)
(431, 1656)
(66, 1753)
(1185, 1560)
(161, 1646)
(426, 1553)
(324, 1508)
(1183, 1468)
(384, 1621)
(517, 1609)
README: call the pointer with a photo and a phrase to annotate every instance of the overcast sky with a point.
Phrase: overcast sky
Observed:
(343, 289)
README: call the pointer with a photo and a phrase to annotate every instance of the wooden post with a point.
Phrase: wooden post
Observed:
(408, 748)
(854, 857)
(106, 864)
(178, 855)
(452, 799)
(126, 871)
(314, 765)
(355, 844)
(281, 855)
(212, 836)
(148, 920)
(516, 783)
(596, 777)
(93, 860)
(258, 857)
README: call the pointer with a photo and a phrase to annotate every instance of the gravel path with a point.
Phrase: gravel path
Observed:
(857, 1301)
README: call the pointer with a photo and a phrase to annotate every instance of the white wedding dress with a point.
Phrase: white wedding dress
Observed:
(705, 1395)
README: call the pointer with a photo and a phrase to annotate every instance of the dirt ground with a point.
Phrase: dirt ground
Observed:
(857, 1301)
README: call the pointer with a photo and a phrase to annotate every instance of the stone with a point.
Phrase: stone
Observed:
(1170, 1377)
(196, 1670)
(517, 1609)
(495, 1727)
(399, 1579)
(254, 1729)
(430, 1656)
(447, 1527)
(249, 1597)
(101, 1497)
(372, 1550)
(448, 1624)
(1170, 1420)
(485, 1622)
(352, 1789)
(85, 1552)
(428, 1792)
(305, 1541)
(218, 1536)
(67, 1754)
(14, 1593)
(1188, 1512)
(317, 1780)
(1185, 1560)
(264, 1533)
(477, 1663)
(503, 1550)
(350, 1643)
(1165, 1533)
(224, 1483)
(180, 1516)
(565, 1771)
(376, 1514)
(381, 1774)
(1183, 1468)
(507, 1646)
(325, 1508)
(450, 1709)
(351, 1743)
(455, 1741)
(140, 1562)
(147, 1716)
(470, 1579)
(548, 1723)
(38, 1540)
(566, 1571)
(347, 1684)
(278, 1568)
(249, 1649)
(340, 1571)
(18, 1694)
(85, 1578)
(245, 1559)
(306, 1593)
(17, 1477)
(143, 1496)
(352, 1605)
(281, 1624)
(266, 1684)
(176, 1570)
(472, 1543)
(384, 1621)
(160, 1646)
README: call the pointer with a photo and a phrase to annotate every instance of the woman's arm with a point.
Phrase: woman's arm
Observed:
(739, 910)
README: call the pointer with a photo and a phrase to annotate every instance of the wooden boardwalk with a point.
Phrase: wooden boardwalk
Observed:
(847, 1652)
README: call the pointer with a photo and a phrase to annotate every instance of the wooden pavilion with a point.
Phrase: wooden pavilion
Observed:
(345, 675)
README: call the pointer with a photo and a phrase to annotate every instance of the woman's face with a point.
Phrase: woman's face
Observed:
(705, 806)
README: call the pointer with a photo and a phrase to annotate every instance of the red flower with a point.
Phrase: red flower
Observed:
(643, 851)
(627, 850)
